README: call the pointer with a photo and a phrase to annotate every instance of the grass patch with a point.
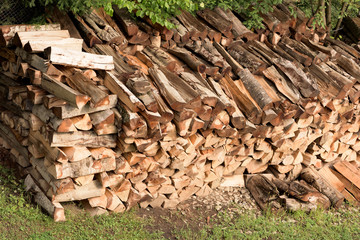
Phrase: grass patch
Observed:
(335, 224)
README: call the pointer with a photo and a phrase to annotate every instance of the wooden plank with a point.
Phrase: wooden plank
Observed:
(37, 46)
(76, 59)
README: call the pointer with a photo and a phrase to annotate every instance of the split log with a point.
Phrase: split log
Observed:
(82, 167)
(54, 209)
(68, 111)
(84, 85)
(21, 38)
(37, 46)
(64, 92)
(123, 93)
(195, 28)
(217, 21)
(76, 59)
(311, 176)
(81, 138)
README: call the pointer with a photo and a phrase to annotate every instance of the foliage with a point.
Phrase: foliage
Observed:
(309, 7)
(159, 11)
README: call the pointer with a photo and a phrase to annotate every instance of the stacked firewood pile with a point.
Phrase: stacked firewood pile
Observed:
(151, 116)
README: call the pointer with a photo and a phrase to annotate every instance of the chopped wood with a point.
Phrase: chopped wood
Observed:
(76, 59)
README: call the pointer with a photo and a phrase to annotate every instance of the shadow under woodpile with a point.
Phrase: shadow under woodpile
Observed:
(118, 112)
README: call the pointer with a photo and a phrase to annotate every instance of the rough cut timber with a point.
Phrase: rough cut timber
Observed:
(76, 59)
(39, 45)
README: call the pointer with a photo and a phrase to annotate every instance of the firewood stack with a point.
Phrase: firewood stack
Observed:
(151, 116)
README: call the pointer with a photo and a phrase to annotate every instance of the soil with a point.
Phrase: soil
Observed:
(198, 212)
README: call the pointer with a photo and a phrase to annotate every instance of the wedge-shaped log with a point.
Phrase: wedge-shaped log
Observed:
(123, 93)
(34, 60)
(84, 85)
(63, 91)
(191, 60)
(216, 20)
(307, 86)
(168, 90)
(284, 86)
(52, 153)
(311, 176)
(81, 60)
(193, 25)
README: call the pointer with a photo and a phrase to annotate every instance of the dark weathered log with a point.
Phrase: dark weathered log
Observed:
(284, 86)
(103, 30)
(344, 46)
(349, 66)
(181, 34)
(245, 58)
(311, 176)
(302, 58)
(210, 53)
(238, 29)
(263, 191)
(123, 17)
(86, 32)
(162, 58)
(191, 60)
(195, 28)
(217, 21)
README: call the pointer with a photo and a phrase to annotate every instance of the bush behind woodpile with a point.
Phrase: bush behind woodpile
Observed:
(13, 12)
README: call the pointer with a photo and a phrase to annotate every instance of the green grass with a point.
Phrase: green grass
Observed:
(19, 219)
(340, 224)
